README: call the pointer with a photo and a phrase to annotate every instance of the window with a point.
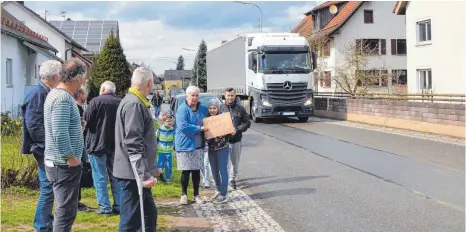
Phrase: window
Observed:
(398, 46)
(372, 46)
(9, 72)
(372, 77)
(326, 80)
(399, 77)
(368, 16)
(325, 49)
(425, 79)
(424, 33)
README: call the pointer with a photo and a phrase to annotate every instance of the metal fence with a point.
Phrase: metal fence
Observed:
(452, 98)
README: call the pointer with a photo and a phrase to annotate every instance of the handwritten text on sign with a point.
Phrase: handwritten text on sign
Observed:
(218, 125)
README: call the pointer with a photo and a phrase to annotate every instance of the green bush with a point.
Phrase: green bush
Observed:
(10, 126)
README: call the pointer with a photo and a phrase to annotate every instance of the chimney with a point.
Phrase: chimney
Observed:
(224, 41)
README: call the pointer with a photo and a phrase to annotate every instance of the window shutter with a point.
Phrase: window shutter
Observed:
(384, 47)
(393, 46)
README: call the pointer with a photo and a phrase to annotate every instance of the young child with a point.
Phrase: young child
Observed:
(165, 145)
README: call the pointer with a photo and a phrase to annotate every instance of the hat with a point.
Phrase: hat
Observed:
(214, 102)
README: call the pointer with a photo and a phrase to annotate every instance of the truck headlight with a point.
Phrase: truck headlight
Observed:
(265, 102)
(308, 101)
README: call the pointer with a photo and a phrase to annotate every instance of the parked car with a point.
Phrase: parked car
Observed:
(204, 98)
(173, 92)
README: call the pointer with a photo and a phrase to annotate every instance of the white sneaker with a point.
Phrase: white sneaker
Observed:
(215, 195)
(198, 199)
(184, 200)
(221, 199)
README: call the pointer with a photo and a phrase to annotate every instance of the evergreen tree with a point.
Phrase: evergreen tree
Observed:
(200, 67)
(110, 65)
(180, 65)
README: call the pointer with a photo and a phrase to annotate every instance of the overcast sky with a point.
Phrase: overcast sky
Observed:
(156, 32)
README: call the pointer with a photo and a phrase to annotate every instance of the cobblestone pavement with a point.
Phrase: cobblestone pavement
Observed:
(241, 213)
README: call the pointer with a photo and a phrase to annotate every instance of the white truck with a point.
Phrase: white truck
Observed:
(271, 70)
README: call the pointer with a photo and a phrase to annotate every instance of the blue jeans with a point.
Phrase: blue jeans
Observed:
(130, 215)
(219, 164)
(165, 161)
(43, 218)
(101, 165)
(157, 111)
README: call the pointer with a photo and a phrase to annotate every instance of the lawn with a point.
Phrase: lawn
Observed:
(18, 203)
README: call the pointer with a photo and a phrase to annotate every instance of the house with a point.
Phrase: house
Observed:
(368, 27)
(23, 51)
(178, 78)
(66, 46)
(436, 44)
(92, 34)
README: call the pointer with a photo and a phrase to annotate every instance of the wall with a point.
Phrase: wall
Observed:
(35, 24)
(446, 55)
(386, 26)
(437, 118)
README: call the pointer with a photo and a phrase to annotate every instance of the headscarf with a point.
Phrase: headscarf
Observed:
(215, 103)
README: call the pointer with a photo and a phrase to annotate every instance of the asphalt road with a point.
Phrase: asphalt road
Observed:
(326, 180)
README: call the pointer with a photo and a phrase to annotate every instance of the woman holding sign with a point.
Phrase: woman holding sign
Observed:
(189, 142)
(219, 153)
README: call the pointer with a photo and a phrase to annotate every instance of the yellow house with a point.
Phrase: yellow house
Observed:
(169, 84)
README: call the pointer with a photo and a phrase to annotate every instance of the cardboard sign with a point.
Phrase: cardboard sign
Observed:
(218, 125)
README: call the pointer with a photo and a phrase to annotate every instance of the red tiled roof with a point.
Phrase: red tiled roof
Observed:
(340, 19)
(327, 4)
(304, 28)
(400, 7)
(14, 27)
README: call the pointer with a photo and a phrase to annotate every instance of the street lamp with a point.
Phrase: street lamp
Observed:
(197, 69)
(248, 3)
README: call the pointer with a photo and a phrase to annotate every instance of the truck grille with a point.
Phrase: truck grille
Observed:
(278, 94)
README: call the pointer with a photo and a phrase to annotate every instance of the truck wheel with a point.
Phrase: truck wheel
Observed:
(303, 119)
(253, 114)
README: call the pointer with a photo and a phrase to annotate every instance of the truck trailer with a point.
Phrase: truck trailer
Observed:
(270, 72)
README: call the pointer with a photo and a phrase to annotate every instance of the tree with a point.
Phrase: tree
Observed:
(180, 65)
(200, 67)
(110, 65)
(355, 70)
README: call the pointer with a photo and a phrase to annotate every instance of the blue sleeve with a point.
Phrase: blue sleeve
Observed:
(35, 117)
(183, 124)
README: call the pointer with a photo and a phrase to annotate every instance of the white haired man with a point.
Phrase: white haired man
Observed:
(64, 143)
(135, 140)
(34, 139)
(100, 116)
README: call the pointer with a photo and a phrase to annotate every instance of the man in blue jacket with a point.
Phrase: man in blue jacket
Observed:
(34, 139)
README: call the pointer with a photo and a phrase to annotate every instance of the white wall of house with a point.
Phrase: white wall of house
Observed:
(386, 26)
(54, 38)
(445, 54)
(24, 71)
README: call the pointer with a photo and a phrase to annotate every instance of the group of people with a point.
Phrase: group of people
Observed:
(116, 137)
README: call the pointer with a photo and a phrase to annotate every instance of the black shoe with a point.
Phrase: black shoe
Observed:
(103, 213)
(233, 184)
(116, 212)
(83, 207)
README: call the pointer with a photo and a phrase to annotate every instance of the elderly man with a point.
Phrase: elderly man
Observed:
(135, 142)
(34, 139)
(64, 143)
(100, 145)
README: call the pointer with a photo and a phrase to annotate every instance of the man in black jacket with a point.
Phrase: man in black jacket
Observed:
(156, 101)
(241, 123)
(100, 145)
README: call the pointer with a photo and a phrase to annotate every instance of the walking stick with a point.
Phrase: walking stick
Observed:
(133, 160)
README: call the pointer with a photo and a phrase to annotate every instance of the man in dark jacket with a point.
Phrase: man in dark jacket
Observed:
(100, 145)
(34, 139)
(241, 123)
(135, 142)
(156, 101)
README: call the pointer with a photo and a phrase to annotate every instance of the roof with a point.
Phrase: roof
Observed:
(340, 19)
(15, 28)
(43, 51)
(304, 28)
(324, 5)
(177, 74)
(400, 7)
(92, 34)
(70, 40)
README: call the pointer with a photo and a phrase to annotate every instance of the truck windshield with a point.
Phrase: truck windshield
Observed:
(285, 62)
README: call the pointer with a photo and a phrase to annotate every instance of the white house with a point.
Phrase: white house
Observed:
(66, 46)
(436, 41)
(364, 24)
(22, 52)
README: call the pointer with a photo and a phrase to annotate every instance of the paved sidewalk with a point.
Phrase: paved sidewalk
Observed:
(240, 213)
